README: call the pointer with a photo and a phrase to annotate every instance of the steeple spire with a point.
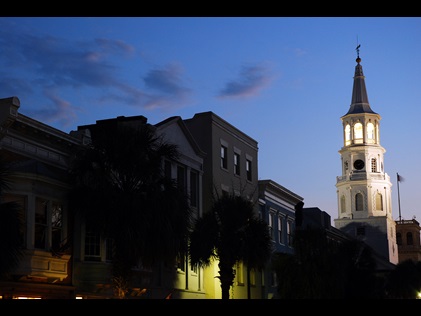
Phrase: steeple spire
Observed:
(359, 103)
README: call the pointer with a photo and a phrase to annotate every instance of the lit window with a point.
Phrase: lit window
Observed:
(239, 273)
(358, 133)
(347, 135)
(370, 132)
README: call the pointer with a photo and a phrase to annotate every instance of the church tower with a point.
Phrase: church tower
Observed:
(364, 188)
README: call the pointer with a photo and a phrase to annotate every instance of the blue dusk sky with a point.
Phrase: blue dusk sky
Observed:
(284, 81)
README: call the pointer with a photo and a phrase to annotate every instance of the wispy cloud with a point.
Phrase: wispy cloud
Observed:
(59, 68)
(60, 111)
(167, 82)
(251, 80)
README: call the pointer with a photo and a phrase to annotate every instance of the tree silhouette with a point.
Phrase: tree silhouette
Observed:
(405, 281)
(10, 225)
(122, 192)
(230, 232)
(326, 269)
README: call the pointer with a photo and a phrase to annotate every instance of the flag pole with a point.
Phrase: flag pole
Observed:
(399, 198)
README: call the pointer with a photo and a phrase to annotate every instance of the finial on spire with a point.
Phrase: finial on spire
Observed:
(358, 60)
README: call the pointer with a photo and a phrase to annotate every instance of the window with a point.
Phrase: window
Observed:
(343, 204)
(109, 249)
(373, 164)
(399, 239)
(194, 188)
(239, 273)
(370, 132)
(280, 232)
(56, 225)
(181, 177)
(97, 248)
(167, 169)
(21, 201)
(224, 157)
(252, 277)
(195, 268)
(181, 263)
(236, 164)
(92, 245)
(273, 279)
(289, 233)
(347, 135)
(379, 202)
(41, 215)
(248, 169)
(409, 239)
(359, 205)
(270, 224)
(358, 133)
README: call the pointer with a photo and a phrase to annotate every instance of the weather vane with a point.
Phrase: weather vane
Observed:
(358, 48)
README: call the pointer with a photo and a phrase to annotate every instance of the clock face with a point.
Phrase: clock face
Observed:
(358, 164)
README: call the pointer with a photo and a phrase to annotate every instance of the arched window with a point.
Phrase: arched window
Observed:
(343, 205)
(409, 239)
(358, 133)
(399, 239)
(379, 202)
(370, 133)
(359, 203)
(347, 135)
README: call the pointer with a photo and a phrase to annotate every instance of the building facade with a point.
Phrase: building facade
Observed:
(277, 208)
(408, 240)
(92, 278)
(230, 166)
(39, 156)
(188, 170)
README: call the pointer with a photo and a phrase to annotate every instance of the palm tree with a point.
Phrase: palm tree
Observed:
(120, 188)
(322, 269)
(230, 232)
(10, 225)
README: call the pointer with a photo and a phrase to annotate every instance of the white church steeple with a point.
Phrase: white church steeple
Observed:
(364, 188)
